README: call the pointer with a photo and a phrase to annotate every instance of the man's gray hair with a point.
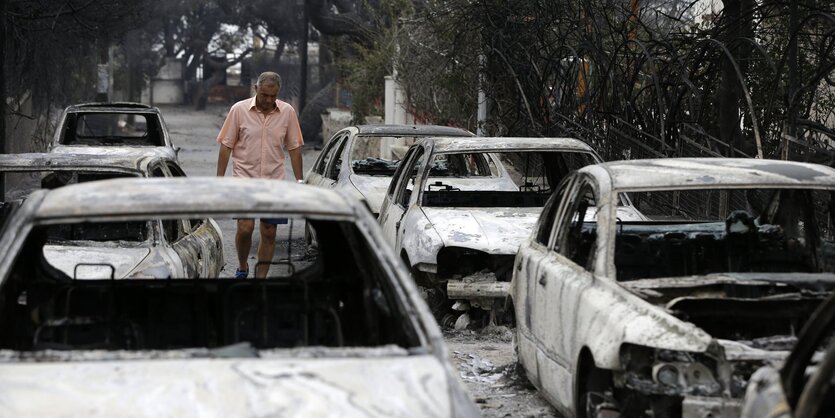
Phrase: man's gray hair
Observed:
(269, 77)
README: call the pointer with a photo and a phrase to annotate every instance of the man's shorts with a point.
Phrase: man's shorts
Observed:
(271, 221)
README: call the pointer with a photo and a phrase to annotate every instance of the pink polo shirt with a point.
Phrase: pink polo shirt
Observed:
(257, 139)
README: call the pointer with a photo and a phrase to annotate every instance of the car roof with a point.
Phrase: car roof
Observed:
(498, 144)
(694, 173)
(411, 130)
(128, 107)
(122, 158)
(193, 195)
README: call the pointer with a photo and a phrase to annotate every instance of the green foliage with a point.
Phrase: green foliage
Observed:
(363, 64)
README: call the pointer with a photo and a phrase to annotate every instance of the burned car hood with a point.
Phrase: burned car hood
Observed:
(372, 188)
(93, 261)
(491, 230)
(753, 316)
(401, 386)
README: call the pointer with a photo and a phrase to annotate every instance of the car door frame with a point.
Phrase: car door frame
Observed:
(393, 211)
(565, 283)
(316, 175)
(529, 301)
(329, 177)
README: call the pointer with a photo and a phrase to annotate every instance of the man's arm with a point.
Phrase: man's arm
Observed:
(223, 160)
(296, 162)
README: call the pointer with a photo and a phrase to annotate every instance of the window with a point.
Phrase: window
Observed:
(333, 171)
(549, 213)
(172, 229)
(113, 129)
(575, 234)
(460, 165)
(327, 154)
(406, 180)
(134, 231)
(378, 155)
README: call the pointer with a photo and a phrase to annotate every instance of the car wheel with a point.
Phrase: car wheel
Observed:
(439, 304)
(595, 397)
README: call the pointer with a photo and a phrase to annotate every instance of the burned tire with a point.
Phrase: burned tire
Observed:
(594, 397)
(439, 304)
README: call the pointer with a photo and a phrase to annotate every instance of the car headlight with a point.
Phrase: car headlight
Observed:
(668, 372)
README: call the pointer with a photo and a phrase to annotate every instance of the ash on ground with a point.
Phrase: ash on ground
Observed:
(486, 364)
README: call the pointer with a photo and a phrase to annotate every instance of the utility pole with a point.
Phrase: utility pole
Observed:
(3, 92)
(303, 53)
(102, 71)
(2, 79)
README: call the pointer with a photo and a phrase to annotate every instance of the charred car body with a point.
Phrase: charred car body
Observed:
(185, 248)
(360, 160)
(671, 316)
(118, 124)
(803, 386)
(458, 208)
(339, 333)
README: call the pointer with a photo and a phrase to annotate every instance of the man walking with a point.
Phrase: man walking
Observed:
(254, 134)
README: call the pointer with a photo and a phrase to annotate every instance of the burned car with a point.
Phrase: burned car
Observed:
(190, 247)
(670, 316)
(341, 332)
(458, 208)
(118, 124)
(361, 159)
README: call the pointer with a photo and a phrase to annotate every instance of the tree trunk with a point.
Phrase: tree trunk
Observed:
(739, 19)
(3, 92)
(201, 96)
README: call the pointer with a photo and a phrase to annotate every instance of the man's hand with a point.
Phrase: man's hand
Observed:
(223, 159)
(296, 162)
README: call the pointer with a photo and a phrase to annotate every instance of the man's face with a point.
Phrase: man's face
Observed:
(265, 95)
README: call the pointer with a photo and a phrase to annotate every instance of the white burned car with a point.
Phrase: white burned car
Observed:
(458, 208)
(339, 333)
(360, 160)
(107, 125)
(669, 317)
(174, 248)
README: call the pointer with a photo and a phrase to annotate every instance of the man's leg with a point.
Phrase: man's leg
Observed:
(243, 242)
(266, 249)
